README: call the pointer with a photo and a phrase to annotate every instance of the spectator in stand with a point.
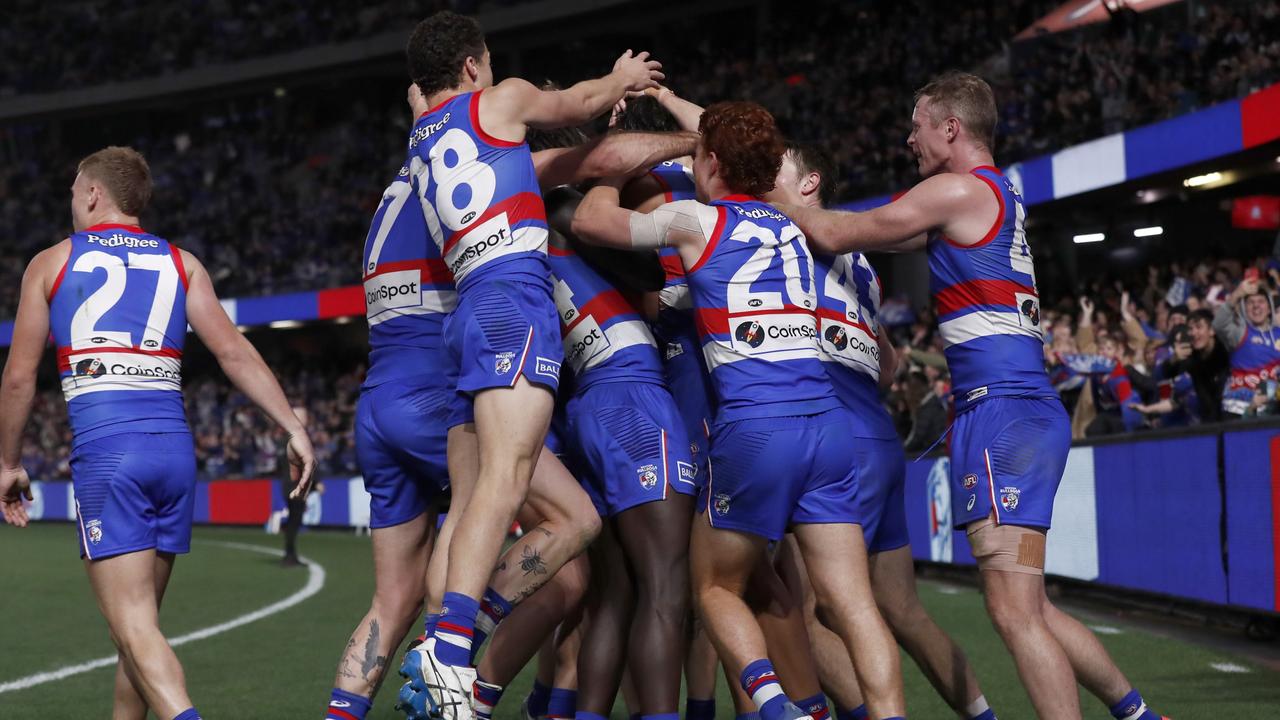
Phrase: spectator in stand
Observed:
(1177, 405)
(1208, 366)
(929, 414)
(1245, 324)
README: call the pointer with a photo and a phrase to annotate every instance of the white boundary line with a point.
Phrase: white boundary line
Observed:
(315, 582)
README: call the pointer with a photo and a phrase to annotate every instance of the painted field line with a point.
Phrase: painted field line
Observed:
(1228, 667)
(315, 582)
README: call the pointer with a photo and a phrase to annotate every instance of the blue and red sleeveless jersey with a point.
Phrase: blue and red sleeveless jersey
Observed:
(988, 307)
(480, 196)
(848, 301)
(675, 315)
(605, 337)
(408, 289)
(118, 314)
(754, 298)
(1253, 362)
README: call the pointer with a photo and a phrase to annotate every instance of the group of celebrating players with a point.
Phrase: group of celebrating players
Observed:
(671, 382)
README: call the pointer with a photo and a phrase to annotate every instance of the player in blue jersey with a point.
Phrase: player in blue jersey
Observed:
(407, 406)
(117, 301)
(484, 210)
(1011, 435)
(859, 357)
(779, 452)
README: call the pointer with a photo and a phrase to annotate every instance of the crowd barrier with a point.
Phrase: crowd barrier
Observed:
(1194, 515)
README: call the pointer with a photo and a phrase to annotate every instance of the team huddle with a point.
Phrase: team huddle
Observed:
(657, 352)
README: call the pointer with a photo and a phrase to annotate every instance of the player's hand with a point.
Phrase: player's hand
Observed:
(302, 464)
(14, 486)
(417, 102)
(638, 71)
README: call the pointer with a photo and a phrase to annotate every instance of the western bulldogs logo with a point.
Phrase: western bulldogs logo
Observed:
(648, 477)
(969, 481)
(837, 336)
(502, 362)
(750, 333)
(1009, 498)
(91, 367)
(93, 529)
(1031, 309)
(722, 505)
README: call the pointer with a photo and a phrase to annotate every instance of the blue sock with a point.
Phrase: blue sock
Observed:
(858, 713)
(816, 706)
(1132, 707)
(455, 630)
(493, 608)
(700, 709)
(895, 717)
(661, 716)
(485, 696)
(188, 714)
(429, 624)
(987, 714)
(536, 702)
(347, 706)
(580, 715)
(563, 704)
(761, 683)
(747, 716)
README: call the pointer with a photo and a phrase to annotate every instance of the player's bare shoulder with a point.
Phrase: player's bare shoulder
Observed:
(47, 265)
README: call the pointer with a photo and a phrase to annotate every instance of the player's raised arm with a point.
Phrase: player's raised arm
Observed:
(246, 369)
(18, 387)
(600, 220)
(686, 113)
(937, 203)
(617, 153)
(515, 102)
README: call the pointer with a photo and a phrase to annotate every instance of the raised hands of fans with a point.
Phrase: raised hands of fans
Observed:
(14, 487)
(1126, 305)
(302, 464)
(638, 71)
(417, 102)
(1086, 312)
(1181, 351)
(1247, 287)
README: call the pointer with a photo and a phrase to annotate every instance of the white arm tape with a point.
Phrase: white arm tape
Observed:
(652, 230)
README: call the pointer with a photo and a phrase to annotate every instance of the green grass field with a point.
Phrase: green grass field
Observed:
(282, 666)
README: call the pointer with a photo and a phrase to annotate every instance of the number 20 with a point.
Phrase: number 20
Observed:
(742, 298)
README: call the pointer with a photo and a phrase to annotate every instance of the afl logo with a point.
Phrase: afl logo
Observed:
(755, 302)
(151, 344)
(1031, 309)
(969, 481)
(750, 333)
(836, 336)
(98, 340)
(91, 367)
(468, 217)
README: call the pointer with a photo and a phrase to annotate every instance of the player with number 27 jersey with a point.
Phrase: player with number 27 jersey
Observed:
(483, 207)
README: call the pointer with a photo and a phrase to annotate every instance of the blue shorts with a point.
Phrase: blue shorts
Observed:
(401, 434)
(881, 471)
(1007, 456)
(500, 331)
(134, 491)
(691, 387)
(631, 443)
(770, 473)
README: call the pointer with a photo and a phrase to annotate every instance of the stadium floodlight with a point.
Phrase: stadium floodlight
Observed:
(282, 324)
(1089, 238)
(1198, 180)
(1148, 231)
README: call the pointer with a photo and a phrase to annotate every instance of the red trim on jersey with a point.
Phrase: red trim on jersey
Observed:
(559, 251)
(711, 241)
(666, 189)
(65, 353)
(57, 282)
(602, 307)
(529, 203)
(995, 228)
(895, 196)
(672, 264)
(182, 269)
(115, 226)
(486, 137)
(439, 105)
(434, 270)
(980, 292)
(992, 168)
(716, 320)
(829, 314)
(739, 197)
